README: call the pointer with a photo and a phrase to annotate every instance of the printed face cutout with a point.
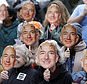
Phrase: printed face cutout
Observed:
(28, 35)
(69, 36)
(8, 58)
(47, 56)
(28, 12)
(53, 14)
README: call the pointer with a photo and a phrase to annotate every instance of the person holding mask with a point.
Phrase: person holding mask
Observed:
(7, 61)
(29, 35)
(21, 73)
(25, 12)
(71, 38)
(51, 70)
(79, 15)
(55, 17)
(8, 28)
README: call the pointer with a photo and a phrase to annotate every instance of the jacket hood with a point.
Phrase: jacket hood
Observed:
(80, 46)
(12, 26)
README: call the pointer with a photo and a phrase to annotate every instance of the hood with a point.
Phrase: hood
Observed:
(12, 26)
(80, 46)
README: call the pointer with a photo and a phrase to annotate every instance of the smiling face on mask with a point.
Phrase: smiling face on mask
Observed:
(28, 35)
(53, 14)
(69, 36)
(47, 56)
(8, 58)
(28, 11)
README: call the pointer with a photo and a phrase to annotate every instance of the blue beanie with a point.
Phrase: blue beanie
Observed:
(78, 27)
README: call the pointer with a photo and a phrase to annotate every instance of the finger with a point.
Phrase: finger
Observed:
(47, 70)
(4, 74)
(68, 50)
(46, 74)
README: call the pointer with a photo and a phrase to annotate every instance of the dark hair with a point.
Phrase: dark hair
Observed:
(12, 13)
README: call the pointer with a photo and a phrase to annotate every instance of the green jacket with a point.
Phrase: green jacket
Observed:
(7, 35)
(54, 35)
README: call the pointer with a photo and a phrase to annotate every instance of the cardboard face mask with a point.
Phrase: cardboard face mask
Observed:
(8, 58)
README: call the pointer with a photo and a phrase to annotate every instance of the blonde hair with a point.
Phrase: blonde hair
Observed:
(63, 10)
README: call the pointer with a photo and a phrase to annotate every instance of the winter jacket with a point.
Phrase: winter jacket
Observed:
(7, 35)
(23, 75)
(80, 77)
(59, 76)
(76, 54)
(54, 34)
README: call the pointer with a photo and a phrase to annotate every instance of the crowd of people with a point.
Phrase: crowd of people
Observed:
(42, 43)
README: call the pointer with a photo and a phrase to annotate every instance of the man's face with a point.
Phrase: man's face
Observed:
(47, 56)
(8, 58)
(69, 37)
(27, 12)
(28, 35)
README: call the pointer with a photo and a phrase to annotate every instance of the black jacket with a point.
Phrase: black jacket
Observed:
(23, 75)
(60, 76)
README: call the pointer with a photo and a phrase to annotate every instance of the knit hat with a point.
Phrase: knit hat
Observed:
(78, 27)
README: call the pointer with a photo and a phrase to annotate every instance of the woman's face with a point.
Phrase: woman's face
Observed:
(28, 12)
(3, 12)
(53, 14)
(19, 60)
